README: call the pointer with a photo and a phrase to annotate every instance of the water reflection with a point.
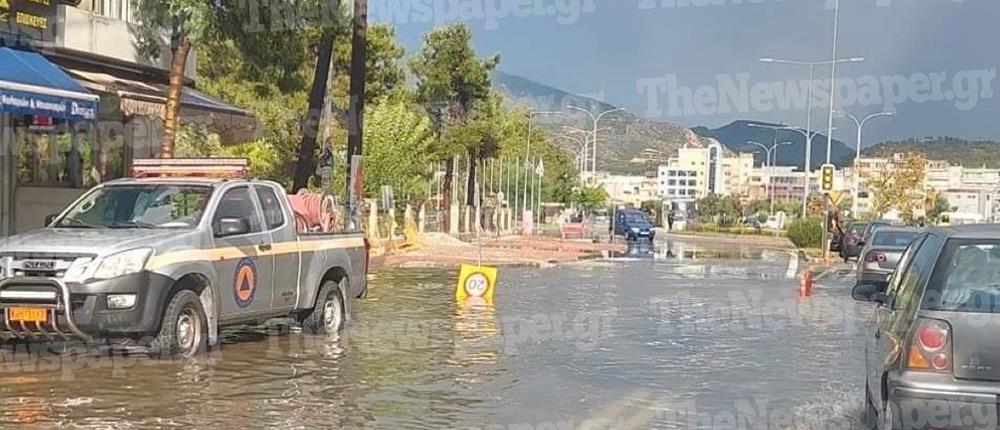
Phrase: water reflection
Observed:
(681, 251)
(626, 341)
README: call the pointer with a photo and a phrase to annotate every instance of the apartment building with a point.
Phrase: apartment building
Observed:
(967, 189)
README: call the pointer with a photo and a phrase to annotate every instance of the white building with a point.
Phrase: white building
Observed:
(629, 190)
(677, 183)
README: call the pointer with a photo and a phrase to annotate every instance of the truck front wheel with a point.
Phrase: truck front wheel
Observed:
(328, 316)
(184, 330)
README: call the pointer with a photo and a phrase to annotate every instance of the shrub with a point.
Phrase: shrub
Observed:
(805, 233)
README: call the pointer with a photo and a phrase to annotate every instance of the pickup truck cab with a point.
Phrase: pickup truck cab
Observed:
(168, 261)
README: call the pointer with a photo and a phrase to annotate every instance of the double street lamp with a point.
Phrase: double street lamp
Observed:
(769, 165)
(860, 123)
(812, 75)
(596, 118)
(809, 135)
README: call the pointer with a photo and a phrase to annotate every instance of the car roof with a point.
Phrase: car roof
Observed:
(970, 231)
(898, 230)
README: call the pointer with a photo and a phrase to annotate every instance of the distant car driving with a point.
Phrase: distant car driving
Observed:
(633, 225)
(880, 255)
(932, 357)
(849, 247)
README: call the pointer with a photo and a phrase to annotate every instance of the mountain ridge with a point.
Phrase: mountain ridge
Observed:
(627, 143)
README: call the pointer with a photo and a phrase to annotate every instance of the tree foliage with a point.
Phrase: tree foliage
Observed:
(397, 140)
(900, 186)
(590, 199)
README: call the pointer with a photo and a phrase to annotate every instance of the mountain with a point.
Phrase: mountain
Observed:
(969, 153)
(737, 134)
(627, 144)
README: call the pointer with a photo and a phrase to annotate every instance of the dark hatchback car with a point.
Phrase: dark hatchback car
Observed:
(634, 225)
(849, 242)
(933, 356)
(880, 255)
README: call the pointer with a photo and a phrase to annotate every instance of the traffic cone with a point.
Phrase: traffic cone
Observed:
(806, 284)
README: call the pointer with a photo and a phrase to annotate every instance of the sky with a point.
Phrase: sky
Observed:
(932, 63)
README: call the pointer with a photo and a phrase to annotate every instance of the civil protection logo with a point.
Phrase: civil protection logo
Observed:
(245, 282)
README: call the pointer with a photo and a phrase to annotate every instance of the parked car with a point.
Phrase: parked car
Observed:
(633, 225)
(880, 255)
(850, 247)
(932, 356)
(168, 261)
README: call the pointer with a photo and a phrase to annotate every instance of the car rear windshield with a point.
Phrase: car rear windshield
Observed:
(893, 238)
(967, 278)
(857, 229)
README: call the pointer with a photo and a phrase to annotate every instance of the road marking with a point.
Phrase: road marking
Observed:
(793, 265)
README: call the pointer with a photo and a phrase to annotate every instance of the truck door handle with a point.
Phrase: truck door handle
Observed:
(264, 247)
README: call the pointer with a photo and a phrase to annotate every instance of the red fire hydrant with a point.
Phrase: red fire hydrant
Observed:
(806, 285)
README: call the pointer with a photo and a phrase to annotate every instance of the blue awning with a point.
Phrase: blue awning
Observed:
(32, 85)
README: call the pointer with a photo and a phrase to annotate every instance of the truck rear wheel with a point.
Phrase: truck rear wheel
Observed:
(328, 316)
(184, 330)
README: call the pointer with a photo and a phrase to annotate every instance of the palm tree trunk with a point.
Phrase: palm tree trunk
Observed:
(172, 113)
(306, 165)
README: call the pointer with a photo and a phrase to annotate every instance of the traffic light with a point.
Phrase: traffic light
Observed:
(828, 172)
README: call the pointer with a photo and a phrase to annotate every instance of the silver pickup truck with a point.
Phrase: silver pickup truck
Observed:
(166, 262)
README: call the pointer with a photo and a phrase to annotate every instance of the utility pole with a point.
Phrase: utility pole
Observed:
(356, 115)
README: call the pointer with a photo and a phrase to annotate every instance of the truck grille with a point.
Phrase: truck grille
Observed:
(41, 265)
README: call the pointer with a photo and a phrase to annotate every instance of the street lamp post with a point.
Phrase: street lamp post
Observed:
(812, 74)
(769, 165)
(596, 119)
(527, 158)
(809, 135)
(860, 123)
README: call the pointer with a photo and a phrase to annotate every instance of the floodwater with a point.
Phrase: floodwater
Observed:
(673, 336)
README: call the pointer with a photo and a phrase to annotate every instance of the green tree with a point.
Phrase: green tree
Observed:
(590, 199)
(451, 80)
(396, 149)
(186, 22)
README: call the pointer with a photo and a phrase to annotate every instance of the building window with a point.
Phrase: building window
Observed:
(117, 9)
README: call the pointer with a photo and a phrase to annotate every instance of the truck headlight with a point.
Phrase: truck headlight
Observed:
(635, 229)
(121, 301)
(123, 263)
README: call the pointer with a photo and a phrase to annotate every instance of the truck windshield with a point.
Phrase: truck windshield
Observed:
(138, 206)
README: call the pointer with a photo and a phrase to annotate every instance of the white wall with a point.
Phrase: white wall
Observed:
(81, 30)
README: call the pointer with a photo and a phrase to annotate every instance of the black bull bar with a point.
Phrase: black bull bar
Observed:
(52, 295)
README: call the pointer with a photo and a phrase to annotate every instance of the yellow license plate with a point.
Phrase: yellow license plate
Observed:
(28, 315)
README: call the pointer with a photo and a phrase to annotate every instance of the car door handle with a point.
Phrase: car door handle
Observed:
(264, 247)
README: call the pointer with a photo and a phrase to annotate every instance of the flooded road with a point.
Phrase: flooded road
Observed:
(667, 337)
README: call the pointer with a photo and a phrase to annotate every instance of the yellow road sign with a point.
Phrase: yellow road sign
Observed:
(476, 283)
(836, 197)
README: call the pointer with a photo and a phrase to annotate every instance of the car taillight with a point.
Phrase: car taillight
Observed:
(930, 348)
(875, 257)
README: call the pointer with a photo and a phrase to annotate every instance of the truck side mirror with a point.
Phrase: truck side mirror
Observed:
(50, 219)
(231, 227)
